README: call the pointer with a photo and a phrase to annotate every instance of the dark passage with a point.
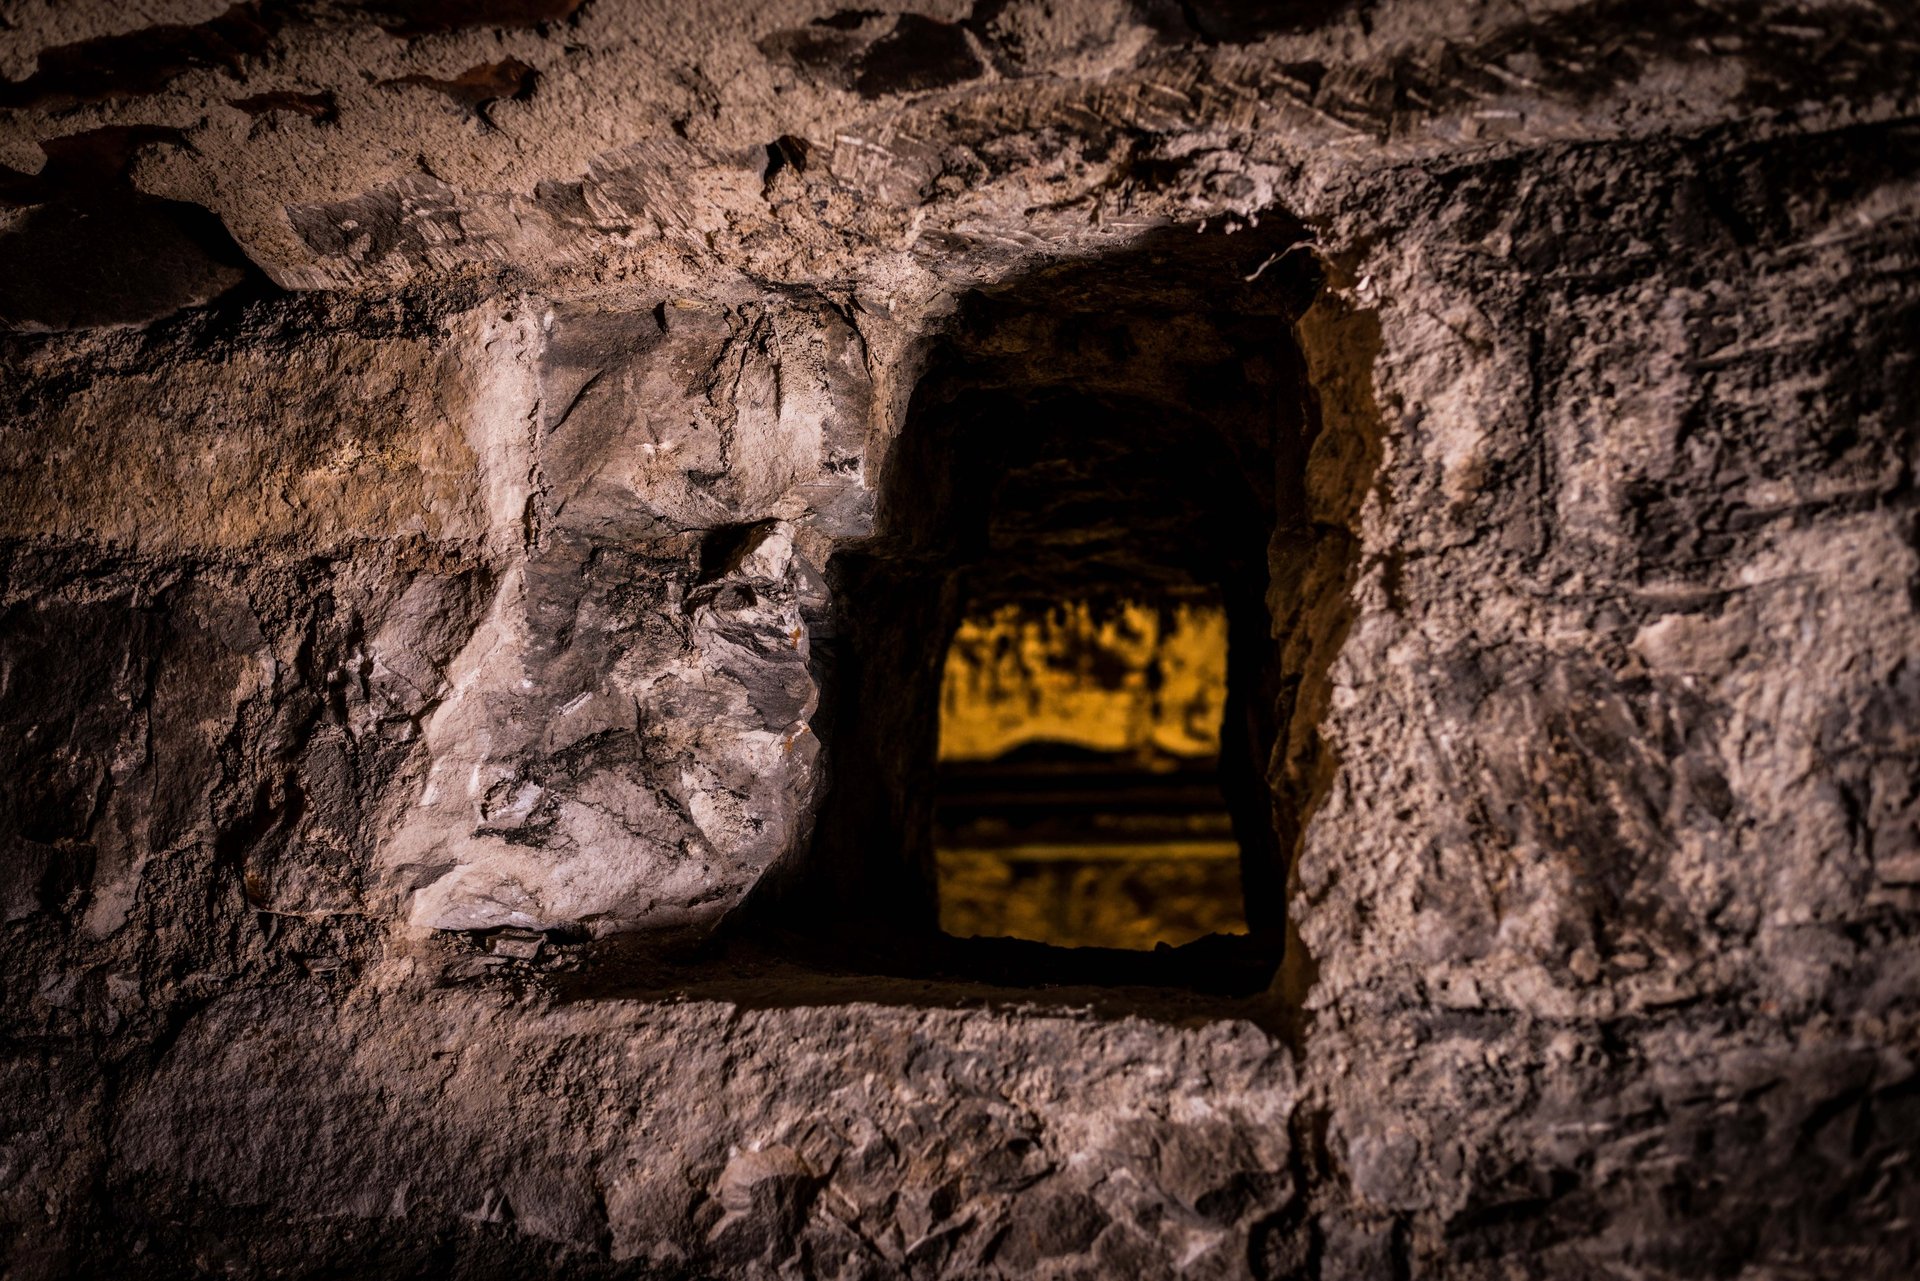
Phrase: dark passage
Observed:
(1059, 688)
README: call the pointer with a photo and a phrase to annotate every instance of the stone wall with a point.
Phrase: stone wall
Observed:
(430, 436)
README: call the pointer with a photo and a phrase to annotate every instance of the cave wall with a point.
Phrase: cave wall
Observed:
(1621, 776)
(441, 543)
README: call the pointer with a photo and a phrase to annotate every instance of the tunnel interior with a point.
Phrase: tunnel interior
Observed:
(1058, 685)
(1077, 798)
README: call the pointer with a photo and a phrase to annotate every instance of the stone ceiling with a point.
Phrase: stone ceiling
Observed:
(608, 146)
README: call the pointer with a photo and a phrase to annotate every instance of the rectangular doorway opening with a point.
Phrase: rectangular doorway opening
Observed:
(1057, 696)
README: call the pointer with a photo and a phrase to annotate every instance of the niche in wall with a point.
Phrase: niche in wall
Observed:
(1113, 444)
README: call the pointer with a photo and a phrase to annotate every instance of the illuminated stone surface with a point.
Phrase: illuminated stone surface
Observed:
(1127, 684)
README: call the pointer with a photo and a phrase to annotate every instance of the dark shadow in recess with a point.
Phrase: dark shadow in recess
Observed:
(91, 250)
(1218, 978)
(1131, 427)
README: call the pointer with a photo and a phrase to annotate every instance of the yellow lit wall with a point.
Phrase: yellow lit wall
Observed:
(1130, 680)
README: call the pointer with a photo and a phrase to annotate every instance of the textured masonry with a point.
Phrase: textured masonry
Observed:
(438, 447)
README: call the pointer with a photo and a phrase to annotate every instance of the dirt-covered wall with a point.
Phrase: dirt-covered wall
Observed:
(428, 433)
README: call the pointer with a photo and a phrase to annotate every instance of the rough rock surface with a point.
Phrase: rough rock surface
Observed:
(430, 434)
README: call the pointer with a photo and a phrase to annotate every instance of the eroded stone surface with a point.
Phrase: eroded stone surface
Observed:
(446, 543)
(864, 1137)
(625, 742)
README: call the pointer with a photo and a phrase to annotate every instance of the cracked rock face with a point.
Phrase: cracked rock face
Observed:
(485, 489)
(624, 742)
